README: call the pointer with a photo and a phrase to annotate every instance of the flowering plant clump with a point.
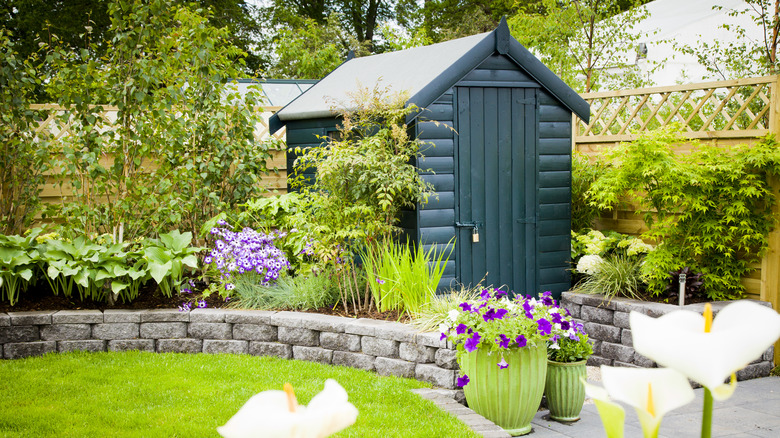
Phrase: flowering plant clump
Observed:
(497, 323)
(246, 251)
(589, 264)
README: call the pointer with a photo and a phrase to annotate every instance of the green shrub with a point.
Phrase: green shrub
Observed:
(302, 292)
(583, 175)
(435, 312)
(711, 209)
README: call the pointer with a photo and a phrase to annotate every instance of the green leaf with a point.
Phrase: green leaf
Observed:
(118, 286)
(160, 271)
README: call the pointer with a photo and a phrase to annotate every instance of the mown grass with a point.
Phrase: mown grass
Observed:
(136, 394)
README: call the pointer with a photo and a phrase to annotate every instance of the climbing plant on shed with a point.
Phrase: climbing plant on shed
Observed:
(710, 210)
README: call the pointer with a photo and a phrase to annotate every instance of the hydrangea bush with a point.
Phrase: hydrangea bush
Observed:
(498, 324)
(243, 252)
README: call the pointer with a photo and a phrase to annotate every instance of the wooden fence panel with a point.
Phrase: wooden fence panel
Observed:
(724, 113)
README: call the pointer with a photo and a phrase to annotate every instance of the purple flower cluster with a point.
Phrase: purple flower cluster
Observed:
(246, 251)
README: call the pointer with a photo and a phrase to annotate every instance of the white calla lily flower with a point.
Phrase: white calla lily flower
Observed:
(613, 416)
(652, 392)
(272, 414)
(704, 350)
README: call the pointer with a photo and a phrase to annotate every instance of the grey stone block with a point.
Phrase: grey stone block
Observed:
(122, 315)
(88, 345)
(298, 336)
(617, 352)
(769, 354)
(270, 349)
(222, 346)
(596, 314)
(254, 332)
(312, 321)
(207, 315)
(77, 317)
(381, 329)
(21, 333)
(353, 360)
(131, 345)
(36, 317)
(595, 361)
(620, 319)
(163, 330)
(643, 361)
(574, 309)
(599, 301)
(644, 307)
(248, 316)
(596, 346)
(312, 354)
(625, 364)
(65, 332)
(210, 330)
(379, 347)
(416, 353)
(394, 367)
(179, 345)
(435, 375)
(5, 320)
(165, 315)
(27, 349)
(603, 332)
(754, 371)
(572, 297)
(118, 330)
(431, 339)
(340, 341)
(447, 359)
(626, 338)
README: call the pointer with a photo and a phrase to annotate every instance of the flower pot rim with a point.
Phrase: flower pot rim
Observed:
(577, 362)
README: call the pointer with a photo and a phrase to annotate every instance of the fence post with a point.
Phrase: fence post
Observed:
(770, 265)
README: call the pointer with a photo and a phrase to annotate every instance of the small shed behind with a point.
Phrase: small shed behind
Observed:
(500, 157)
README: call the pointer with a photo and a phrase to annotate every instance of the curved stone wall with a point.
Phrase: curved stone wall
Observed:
(606, 324)
(388, 348)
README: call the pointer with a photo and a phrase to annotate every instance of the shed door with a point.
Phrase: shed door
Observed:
(496, 183)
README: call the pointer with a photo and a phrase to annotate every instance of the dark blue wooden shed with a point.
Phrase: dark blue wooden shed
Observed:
(504, 171)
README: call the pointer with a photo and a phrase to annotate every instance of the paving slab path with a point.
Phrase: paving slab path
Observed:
(753, 411)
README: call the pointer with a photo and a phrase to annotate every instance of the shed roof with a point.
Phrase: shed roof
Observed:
(425, 73)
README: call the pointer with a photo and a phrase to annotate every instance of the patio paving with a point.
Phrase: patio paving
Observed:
(753, 411)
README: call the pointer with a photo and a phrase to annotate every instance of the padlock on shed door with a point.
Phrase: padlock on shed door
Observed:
(475, 235)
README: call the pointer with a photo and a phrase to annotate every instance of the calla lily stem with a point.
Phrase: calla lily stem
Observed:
(706, 420)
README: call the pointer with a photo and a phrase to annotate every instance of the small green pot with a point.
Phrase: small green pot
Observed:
(508, 397)
(564, 389)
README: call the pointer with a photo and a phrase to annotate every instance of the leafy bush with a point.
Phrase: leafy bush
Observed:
(435, 312)
(596, 244)
(19, 259)
(571, 350)
(710, 208)
(583, 175)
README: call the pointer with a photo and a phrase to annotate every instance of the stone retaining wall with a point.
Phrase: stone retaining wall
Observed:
(606, 323)
(388, 348)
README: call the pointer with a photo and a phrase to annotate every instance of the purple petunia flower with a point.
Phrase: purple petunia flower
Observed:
(443, 337)
(466, 307)
(460, 329)
(380, 281)
(521, 341)
(565, 325)
(545, 328)
(503, 341)
(500, 293)
(462, 381)
(473, 342)
(556, 318)
(502, 364)
(486, 295)
(547, 299)
(500, 313)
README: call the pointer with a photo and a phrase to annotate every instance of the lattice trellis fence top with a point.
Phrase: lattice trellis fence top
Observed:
(737, 105)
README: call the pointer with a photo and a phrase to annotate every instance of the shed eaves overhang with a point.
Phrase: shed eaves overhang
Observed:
(425, 73)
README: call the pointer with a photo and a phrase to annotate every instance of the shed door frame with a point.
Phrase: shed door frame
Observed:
(509, 236)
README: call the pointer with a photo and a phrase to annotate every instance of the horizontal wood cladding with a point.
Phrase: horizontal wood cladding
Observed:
(437, 165)
(436, 235)
(551, 259)
(448, 255)
(440, 201)
(443, 183)
(555, 179)
(554, 113)
(554, 195)
(429, 130)
(555, 146)
(436, 218)
(554, 227)
(554, 211)
(555, 163)
(440, 147)
(555, 130)
(555, 243)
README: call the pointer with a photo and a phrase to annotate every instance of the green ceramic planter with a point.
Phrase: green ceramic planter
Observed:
(508, 397)
(564, 389)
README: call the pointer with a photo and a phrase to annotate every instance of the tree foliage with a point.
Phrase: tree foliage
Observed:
(582, 39)
(182, 147)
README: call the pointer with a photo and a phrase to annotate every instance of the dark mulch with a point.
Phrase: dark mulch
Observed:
(40, 297)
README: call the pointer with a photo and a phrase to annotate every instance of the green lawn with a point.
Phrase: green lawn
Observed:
(180, 395)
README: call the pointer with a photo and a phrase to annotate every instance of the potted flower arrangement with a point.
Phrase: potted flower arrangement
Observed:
(567, 354)
(502, 352)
